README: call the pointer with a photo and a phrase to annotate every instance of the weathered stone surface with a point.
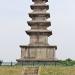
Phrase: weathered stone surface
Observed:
(39, 53)
(30, 71)
(38, 50)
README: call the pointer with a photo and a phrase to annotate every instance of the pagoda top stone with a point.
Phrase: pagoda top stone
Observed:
(40, 0)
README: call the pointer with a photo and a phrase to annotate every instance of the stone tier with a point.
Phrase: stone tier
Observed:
(36, 63)
(39, 44)
(41, 23)
(39, 6)
(37, 54)
(40, 0)
(41, 32)
(39, 14)
(33, 60)
(44, 46)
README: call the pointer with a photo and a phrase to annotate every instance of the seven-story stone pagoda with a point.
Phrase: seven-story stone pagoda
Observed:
(38, 51)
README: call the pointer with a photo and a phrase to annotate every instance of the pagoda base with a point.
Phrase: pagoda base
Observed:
(37, 55)
(36, 62)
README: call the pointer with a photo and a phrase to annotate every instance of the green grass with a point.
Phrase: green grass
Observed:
(43, 70)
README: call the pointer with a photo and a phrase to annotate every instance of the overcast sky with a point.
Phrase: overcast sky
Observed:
(13, 23)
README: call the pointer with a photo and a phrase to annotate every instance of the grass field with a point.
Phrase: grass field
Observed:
(7, 70)
(50, 70)
(58, 70)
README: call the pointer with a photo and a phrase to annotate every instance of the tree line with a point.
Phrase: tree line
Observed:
(66, 62)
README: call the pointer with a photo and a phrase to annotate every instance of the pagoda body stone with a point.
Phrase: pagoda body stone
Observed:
(38, 50)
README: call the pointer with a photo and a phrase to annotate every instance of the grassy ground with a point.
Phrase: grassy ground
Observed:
(50, 70)
(58, 70)
(7, 70)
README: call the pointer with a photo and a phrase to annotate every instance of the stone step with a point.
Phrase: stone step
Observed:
(30, 71)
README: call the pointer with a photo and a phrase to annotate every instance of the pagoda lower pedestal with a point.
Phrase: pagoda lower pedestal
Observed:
(37, 55)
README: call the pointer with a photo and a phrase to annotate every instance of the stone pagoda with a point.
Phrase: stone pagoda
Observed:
(38, 51)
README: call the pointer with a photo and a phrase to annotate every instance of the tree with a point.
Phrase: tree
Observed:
(1, 62)
(69, 59)
(69, 62)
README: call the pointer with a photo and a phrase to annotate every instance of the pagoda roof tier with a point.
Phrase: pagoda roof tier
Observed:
(40, 32)
(40, 6)
(41, 14)
(40, 0)
(47, 23)
(37, 46)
